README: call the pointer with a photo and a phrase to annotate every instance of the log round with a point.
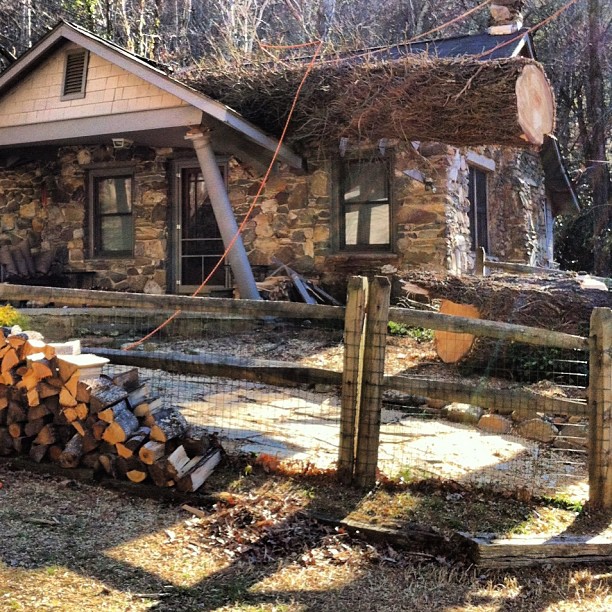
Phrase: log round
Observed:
(535, 104)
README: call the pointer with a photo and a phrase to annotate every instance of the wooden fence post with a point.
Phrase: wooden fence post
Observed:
(368, 435)
(354, 325)
(479, 267)
(600, 409)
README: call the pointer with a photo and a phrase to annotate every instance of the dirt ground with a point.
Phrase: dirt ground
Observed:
(68, 546)
(303, 422)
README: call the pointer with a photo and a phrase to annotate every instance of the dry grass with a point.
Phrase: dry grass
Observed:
(70, 546)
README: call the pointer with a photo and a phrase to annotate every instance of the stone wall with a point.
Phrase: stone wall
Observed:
(518, 211)
(48, 205)
(294, 218)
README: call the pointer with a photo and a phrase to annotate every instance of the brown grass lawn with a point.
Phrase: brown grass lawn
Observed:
(65, 545)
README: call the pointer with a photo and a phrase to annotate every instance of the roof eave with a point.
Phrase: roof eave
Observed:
(137, 66)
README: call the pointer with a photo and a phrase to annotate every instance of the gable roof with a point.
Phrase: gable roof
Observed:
(147, 71)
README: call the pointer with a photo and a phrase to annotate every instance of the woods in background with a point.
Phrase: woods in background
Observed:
(575, 48)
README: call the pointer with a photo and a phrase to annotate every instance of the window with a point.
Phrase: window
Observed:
(365, 204)
(111, 223)
(75, 74)
(477, 195)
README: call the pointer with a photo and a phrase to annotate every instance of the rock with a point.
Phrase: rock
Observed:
(537, 429)
(495, 423)
(521, 414)
(153, 288)
(572, 437)
(463, 413)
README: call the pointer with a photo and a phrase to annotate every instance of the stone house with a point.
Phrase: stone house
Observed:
(136, 181)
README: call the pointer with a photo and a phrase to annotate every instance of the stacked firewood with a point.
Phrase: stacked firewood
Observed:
(51, 409)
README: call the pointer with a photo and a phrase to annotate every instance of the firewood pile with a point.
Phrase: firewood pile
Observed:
(58, 407)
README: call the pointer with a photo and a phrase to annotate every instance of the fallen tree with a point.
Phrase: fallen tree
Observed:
(416, 97)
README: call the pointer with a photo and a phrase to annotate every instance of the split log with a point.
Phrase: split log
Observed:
(98, 428)
(151, 452)
(54, 452)
(66, 398)
(16, 430)
(38, 412)
(47, 435)
(139, 394)
(71, 456)
(168, 423)
(108, 414)
(46, 389)
(175, 465)
(16, 413)
(109, 464)
(136, 475)
(33, 427)
(200, 473)
(41, 366)
(89, 442)
(123, 426)
(33, 346)
(196, 445)
(133, 444)
(37, 452)
(83, 392)
(103, 393)
(129, 380)
(80, 428)
(147, 406)
(22, 445)
(157, 471)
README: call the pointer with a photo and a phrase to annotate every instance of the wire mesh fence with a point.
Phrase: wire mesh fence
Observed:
(363, 388)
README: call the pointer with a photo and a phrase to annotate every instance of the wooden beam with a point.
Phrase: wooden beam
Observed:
(600, 409)
(354, 327)
(204, 306)
(368, 434)
(530, 550)
(238, 368)
(490, 329)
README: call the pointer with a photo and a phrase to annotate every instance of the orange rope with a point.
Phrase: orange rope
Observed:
(255, 199)
(292, 109)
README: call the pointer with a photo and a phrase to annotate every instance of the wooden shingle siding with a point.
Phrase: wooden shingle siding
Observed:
(109, 90)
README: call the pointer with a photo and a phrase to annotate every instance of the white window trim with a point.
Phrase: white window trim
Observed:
(480, 161)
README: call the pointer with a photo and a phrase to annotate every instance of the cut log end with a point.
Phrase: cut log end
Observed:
(535, 104)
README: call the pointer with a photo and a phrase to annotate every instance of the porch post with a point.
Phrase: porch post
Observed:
(224, 214)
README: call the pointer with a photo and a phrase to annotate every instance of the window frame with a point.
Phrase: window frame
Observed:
(95, 247)
(477, 209)
(76, 95)
(341, 173)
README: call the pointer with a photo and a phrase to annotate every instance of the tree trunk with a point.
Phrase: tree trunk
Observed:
(596, 145)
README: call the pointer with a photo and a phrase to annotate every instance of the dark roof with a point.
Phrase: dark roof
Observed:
(473, 45)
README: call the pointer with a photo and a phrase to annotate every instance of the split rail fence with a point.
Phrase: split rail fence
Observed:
(199, 355)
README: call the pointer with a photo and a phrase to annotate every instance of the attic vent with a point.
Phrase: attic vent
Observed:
(75, 75)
